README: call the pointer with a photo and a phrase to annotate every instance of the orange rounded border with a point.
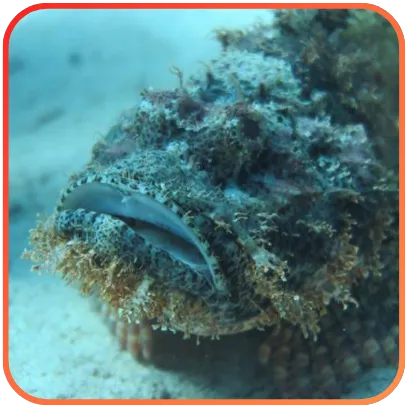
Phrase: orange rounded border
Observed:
(401, 40)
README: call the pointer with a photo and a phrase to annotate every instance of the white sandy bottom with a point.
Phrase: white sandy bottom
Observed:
(60, 349)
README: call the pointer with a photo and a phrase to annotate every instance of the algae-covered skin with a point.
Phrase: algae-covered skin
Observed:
(235, 202)
(352, 56)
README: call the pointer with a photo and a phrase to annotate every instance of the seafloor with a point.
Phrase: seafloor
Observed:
(71, 74)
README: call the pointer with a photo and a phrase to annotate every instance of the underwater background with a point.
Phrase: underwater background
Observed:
(72, 74)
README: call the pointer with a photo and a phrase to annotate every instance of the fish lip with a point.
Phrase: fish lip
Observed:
(147, 217)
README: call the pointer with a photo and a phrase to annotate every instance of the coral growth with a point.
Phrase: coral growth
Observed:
(254, 195)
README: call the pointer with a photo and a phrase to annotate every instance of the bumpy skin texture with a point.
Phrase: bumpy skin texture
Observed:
(280, 362)
(280, 218)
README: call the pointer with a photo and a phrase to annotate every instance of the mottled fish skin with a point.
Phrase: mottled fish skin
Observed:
(147, 217)
(164, 228)
(111, 237)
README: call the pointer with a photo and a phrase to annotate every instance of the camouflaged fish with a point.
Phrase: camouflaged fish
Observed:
(231, 203)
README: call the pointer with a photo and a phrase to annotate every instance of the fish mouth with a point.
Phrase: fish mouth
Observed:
(151, 220)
